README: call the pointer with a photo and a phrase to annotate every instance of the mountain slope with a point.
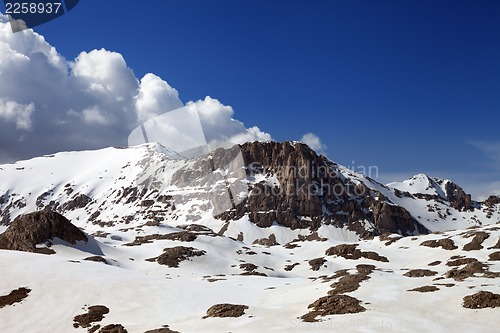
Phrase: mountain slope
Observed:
(270, 236)
(240, 192)
(400, 284)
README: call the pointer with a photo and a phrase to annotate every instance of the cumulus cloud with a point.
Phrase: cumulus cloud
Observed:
(155, 97)
(50, 104)
(218, 123)
(314, 142)
(196, 125)
(17, 113)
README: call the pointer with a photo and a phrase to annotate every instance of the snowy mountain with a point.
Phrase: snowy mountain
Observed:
(263, 236)
(422, 185)
(244, 192)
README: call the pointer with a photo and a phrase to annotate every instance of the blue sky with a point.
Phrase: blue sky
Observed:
(408, 86)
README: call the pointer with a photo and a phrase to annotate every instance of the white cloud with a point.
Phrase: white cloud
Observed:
(155, 97)
(218, 124)
(94, 115)
(251, 134)
(50, 104)
(17, 113)
(105, 74)
(314, 142)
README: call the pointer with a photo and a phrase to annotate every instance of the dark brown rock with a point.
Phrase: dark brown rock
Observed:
(481, 300)
(26, 231)
(495, 256)
(475, 244)
(463, 201)
(470, 270)
(350, 251)
(347, 251)
(171, 257)
(351, 282)
(374, 256)
(457, 197)
(445, 243)
(94, 314)
(291, 267)
(461, 261)
(182, 236)
(248, 267)
(161, 330)
(316, 263)
(389, 238)
(113, 328)
(390, 218)
(270, 241)
(492, 200)
(15, 296)
(226, 310)
(425, 289)
(420, 273)
(254, 273)
(79, 201)
(333, 305)
(96, 259)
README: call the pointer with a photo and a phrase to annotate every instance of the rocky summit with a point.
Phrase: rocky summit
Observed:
(263, 236)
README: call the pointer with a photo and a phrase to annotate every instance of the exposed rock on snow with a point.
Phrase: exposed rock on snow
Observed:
(226, 310)
(495, 256)
(481, 300)
(333, 305)
(172, 256)
(316, 263)
(183, 236)
(15, 296)
(28, 230)
(94, 314)
(97, 259)
(161, 330)
(420, 273)
(471, 270)
(425, 289)
(351, 282)
(350, 251)
(113, 328)
(475, 244)
(445, 243)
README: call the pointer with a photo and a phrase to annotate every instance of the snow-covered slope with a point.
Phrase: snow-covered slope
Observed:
(423, 184)
(276, 283)
(164, 245)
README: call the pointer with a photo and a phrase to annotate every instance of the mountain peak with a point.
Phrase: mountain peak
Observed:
(424, 184)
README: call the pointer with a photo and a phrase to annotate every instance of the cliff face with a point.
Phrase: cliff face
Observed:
(301, 189)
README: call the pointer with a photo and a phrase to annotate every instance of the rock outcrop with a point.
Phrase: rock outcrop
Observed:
(226, 310)
(26, 231)
(309, 190)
